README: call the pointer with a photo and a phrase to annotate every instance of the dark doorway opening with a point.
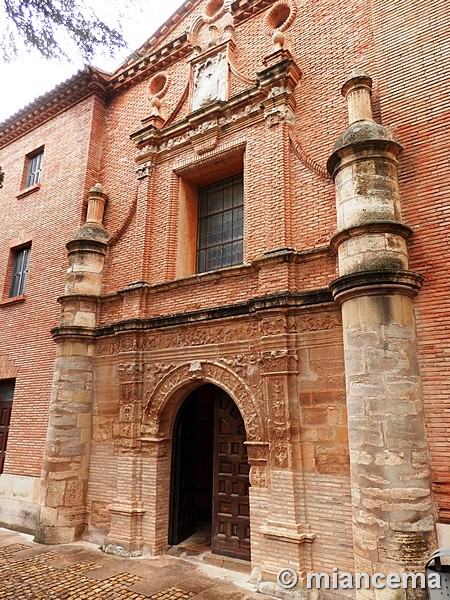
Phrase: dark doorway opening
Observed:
(210, 474)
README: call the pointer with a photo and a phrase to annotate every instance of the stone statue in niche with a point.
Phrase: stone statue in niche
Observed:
(210, 81)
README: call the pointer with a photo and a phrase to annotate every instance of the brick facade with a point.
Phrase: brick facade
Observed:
(326, 339)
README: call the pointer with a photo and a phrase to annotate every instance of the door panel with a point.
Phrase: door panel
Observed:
(231, 512)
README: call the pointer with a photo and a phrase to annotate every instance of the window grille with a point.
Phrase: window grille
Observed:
(220, 224)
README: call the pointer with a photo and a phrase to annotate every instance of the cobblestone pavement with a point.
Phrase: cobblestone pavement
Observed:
(81, 571)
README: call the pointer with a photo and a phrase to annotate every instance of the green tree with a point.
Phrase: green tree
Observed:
(44, 25)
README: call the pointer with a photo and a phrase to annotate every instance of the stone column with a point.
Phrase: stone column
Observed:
(66, 456)
(393, 513)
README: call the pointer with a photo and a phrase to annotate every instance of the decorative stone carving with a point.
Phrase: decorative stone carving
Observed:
(244, 365)
(279, 361)
(277, 394)
(279, 114)
(156, 399)
(257, 452)
(130, 395)
(234, 116)
(144, 170)
(130, 371)
(210, 81)
(126, 343)
(185, 337)
(210, 335)
(280, 456)
(258, 476)
(319, 321)
(273, 325)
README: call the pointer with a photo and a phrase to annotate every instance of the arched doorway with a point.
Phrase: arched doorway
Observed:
(210, 473)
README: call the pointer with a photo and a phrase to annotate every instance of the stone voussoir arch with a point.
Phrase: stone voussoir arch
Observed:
(184, 378)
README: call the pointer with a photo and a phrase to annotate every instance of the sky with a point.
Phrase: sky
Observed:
(29, 76)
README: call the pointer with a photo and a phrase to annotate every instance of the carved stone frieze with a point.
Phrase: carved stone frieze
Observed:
(186, 336)
(208, 335)
(130, 402)
(273, 325)
(246, 366)
(121, 343)
(202, 129)
(319, 321)
(155, 372)
(219, 374)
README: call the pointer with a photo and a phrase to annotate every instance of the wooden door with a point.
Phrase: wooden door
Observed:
(182, 511)
(231, 509)
(6, 397)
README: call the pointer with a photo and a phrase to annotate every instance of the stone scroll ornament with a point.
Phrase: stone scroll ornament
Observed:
(206, 372)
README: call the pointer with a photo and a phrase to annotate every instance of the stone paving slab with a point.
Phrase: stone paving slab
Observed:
(80, 571)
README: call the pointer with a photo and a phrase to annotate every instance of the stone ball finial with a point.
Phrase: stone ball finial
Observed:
(278, 39)
(97, 189)
(155, 103)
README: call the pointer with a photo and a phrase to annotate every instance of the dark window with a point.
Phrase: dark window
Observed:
(19, 271)
(220, 224)
(34, 169)
(6, 400)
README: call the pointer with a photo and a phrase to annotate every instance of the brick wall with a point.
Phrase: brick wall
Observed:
(47, 218)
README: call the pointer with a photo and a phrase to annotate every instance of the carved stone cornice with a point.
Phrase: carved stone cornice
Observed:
(380, 282)
(73, 333)
(202, 128)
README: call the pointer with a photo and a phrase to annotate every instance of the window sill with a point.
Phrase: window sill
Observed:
(28, 191)
(14, 300)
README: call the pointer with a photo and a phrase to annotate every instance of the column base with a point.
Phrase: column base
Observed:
(52, 535)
